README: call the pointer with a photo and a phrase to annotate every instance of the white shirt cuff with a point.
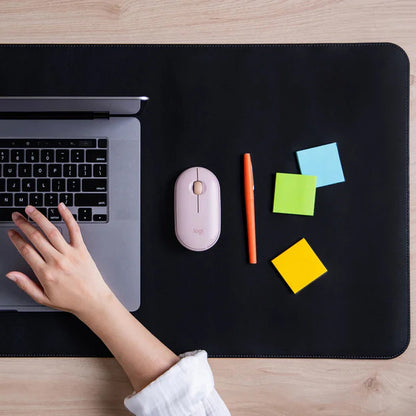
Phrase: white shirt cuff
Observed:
(178, 391)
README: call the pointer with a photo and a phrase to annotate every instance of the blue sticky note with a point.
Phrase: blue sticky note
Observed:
(322, 162)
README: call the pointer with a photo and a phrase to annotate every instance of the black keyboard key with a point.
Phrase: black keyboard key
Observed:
(2, 185)
(70, 171)
(102, 142)
(4, 155)
(17, 155)
(13, 185)
(20, 200)
(54, 171)
(47, 156)
(39, 171)
(51, 200)
(100, 217)
(99, 155)
(94, 185)
(58, 185)
(32, 155)
(43, 185)
(67, 199)
(36, 200)
(100, 170)
(75, 216)
(6, 200)
(9, 171)
(62, 155)
(84, 171)
(43, 211)
(77, 155)
(73, 185)
(25, 170)
(54, 215)
(91, 200)
(28, 185)
(84, 214)
(6, 213)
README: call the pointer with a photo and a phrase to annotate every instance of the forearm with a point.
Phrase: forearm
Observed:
(142, 356)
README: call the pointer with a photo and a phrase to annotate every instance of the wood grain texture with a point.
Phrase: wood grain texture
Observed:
(94, 386)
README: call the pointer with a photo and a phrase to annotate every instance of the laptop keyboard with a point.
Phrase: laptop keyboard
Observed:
(45, 172)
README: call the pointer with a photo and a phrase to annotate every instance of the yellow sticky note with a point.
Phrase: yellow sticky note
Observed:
(299, 265)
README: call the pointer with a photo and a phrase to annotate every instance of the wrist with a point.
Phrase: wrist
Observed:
(97, 307)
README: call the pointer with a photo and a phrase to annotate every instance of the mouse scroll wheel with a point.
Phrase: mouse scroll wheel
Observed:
(197, 188)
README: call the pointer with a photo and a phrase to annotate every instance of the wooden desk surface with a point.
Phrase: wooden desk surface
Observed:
(97, 386)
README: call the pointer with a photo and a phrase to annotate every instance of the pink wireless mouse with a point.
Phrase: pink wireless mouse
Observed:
(197, 209)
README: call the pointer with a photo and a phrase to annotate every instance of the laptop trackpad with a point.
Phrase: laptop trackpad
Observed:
(10, 259)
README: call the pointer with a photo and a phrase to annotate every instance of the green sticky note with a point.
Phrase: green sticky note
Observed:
(294, 194)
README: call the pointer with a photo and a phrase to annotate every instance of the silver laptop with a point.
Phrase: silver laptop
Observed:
(85, 152)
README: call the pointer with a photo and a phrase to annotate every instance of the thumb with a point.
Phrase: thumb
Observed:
(29, 286)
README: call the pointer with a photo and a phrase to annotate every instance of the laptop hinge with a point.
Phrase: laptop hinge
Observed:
(53, 115)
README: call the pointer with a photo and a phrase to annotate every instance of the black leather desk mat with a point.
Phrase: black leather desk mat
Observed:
(209, 105)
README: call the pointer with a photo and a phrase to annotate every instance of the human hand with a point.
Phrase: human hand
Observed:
(70, 281)
(69, 278)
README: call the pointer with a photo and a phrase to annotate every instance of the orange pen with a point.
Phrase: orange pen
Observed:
(249, 198)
